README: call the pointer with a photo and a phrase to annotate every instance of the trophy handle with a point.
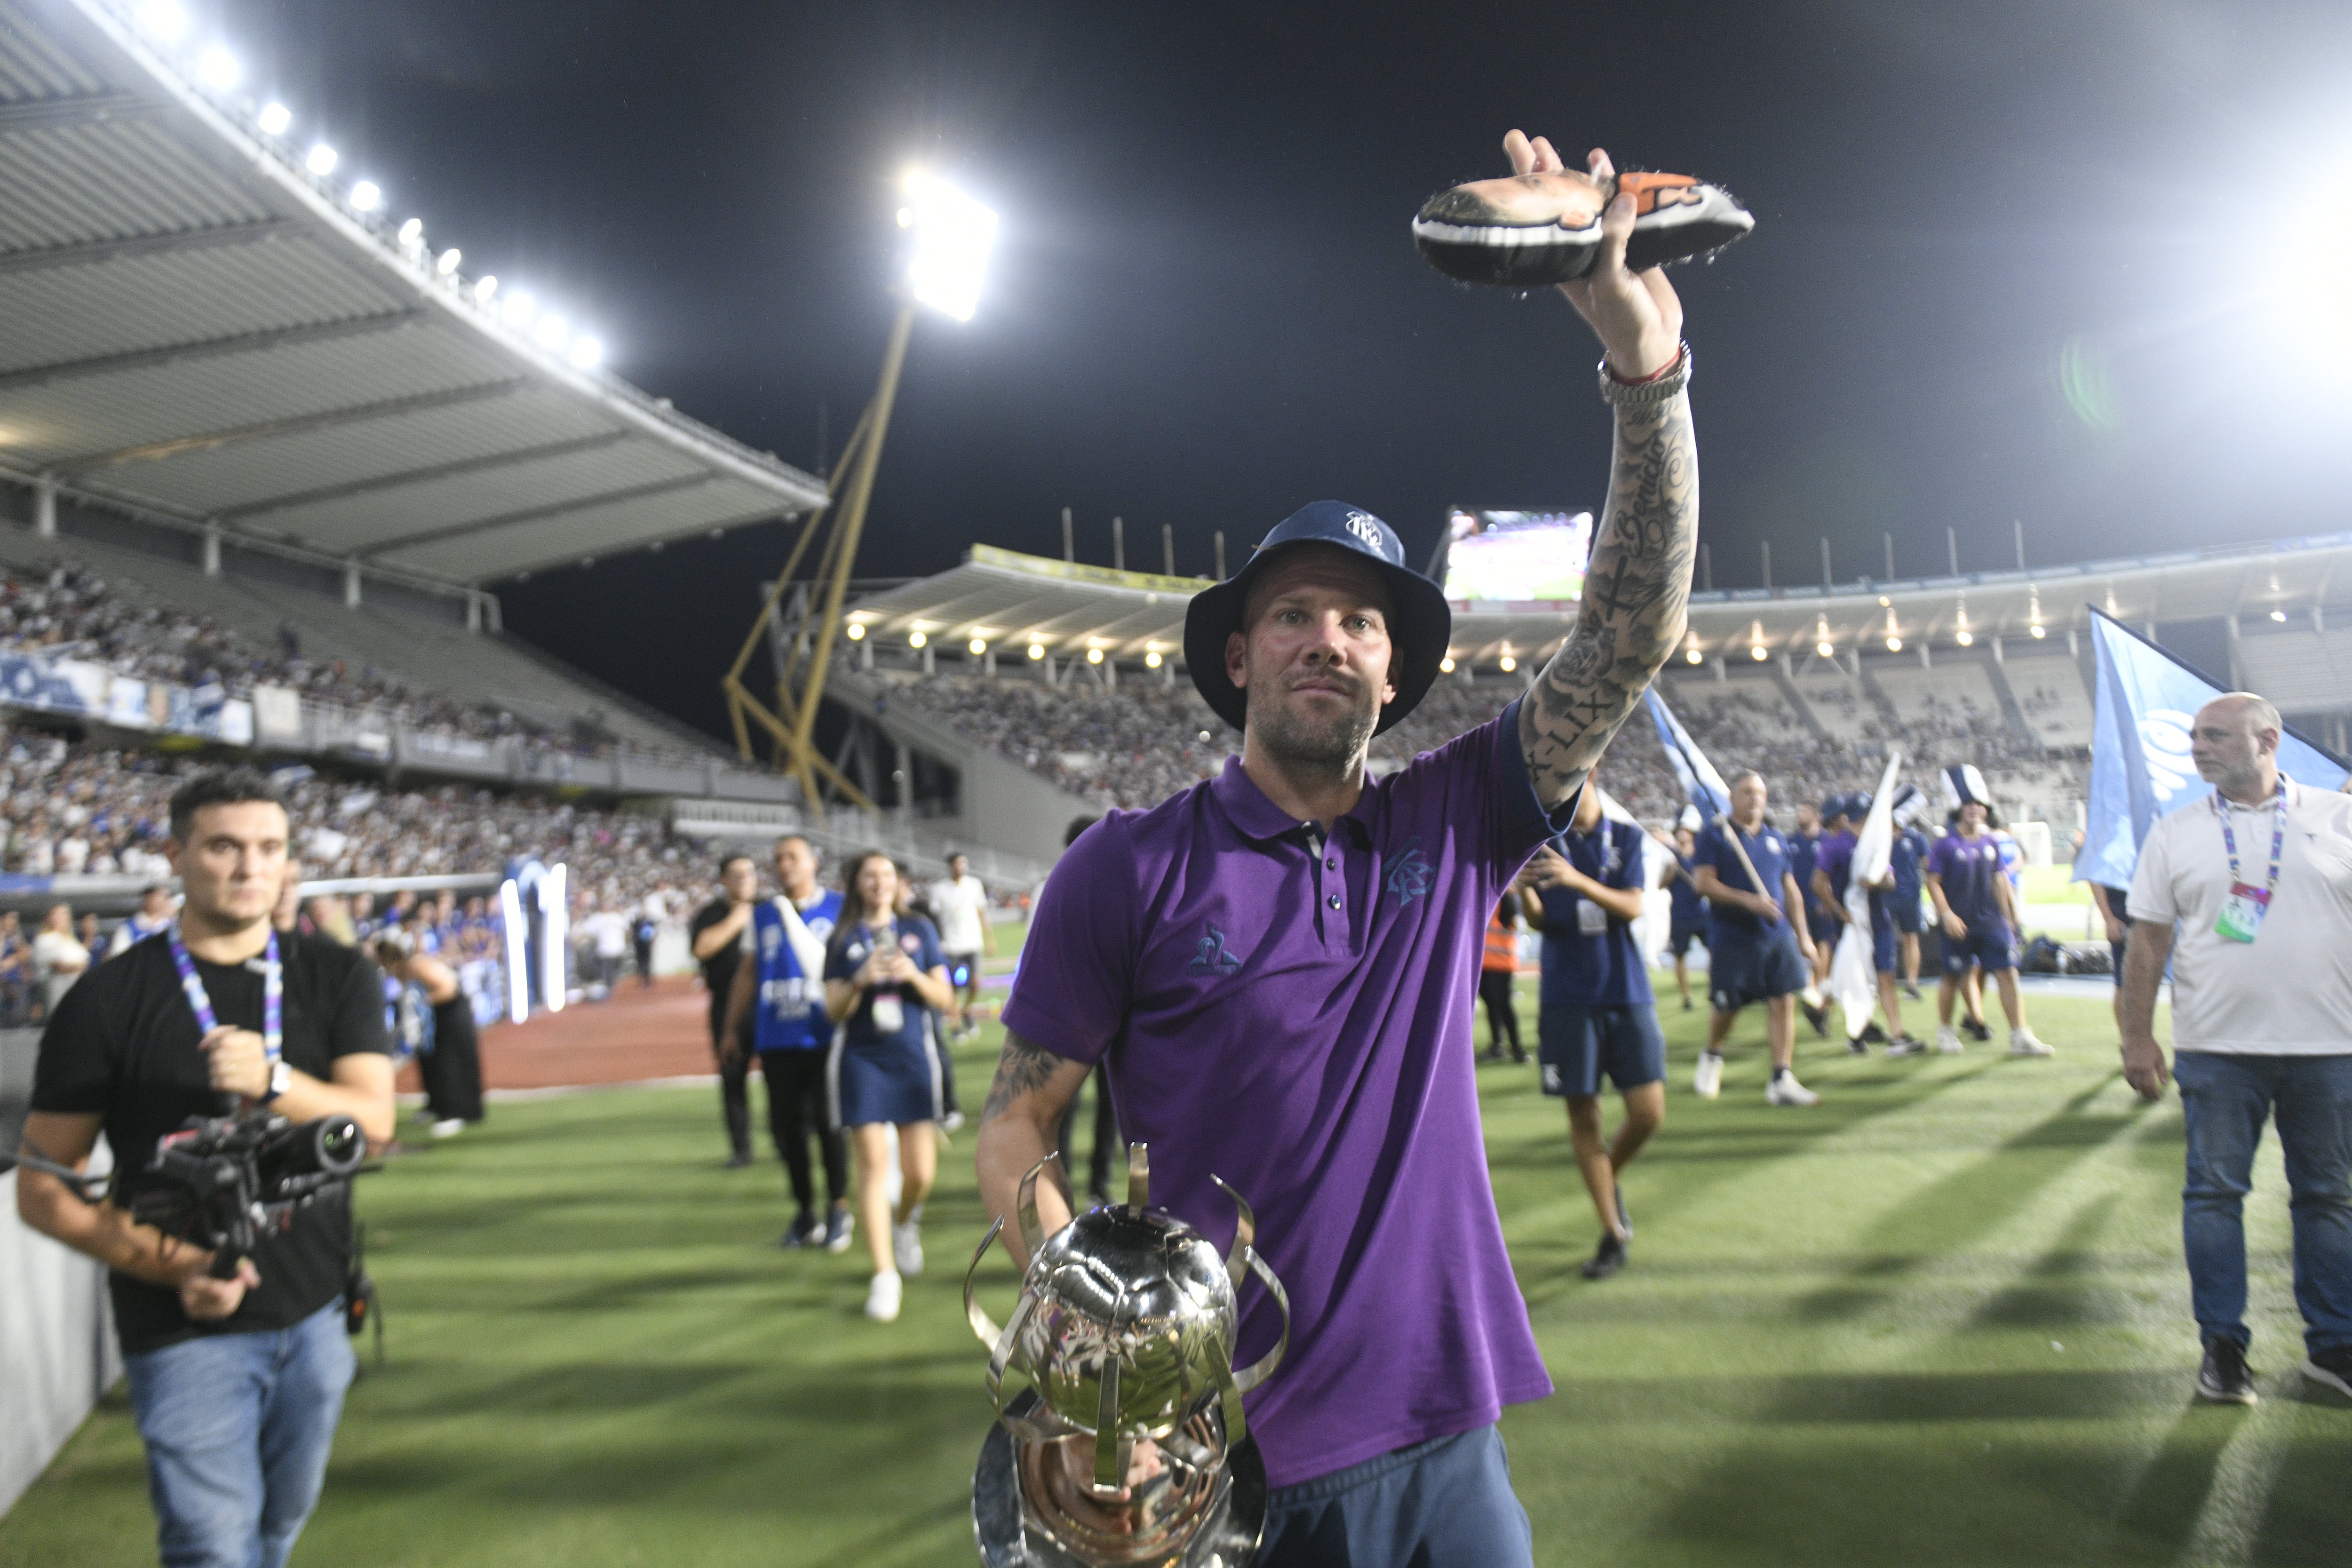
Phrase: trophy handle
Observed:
(1032, 1233)
(1245, 1258)
(1258, 1370)
(1229, 1391)
(1139, 1175)
(981, 1325)
(1245, 1233)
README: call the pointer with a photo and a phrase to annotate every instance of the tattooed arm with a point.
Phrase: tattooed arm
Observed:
(1020, 1124)
(1637, 584)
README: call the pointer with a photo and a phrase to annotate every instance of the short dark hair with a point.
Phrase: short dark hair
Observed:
(805, 842)
(220, 786)
(726, 860)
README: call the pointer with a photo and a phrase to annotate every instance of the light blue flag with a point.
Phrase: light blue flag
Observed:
(2140, 769)
(1700, 782)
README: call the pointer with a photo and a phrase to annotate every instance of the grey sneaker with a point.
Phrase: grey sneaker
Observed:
(2225, 1378)
(838, 1227)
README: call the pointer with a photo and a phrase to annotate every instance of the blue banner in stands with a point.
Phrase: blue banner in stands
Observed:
(2140, 768)
(1701, 783)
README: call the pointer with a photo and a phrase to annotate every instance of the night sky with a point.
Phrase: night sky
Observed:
(2012, 261)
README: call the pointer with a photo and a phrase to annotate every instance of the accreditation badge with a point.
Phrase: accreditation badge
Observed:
(2241, 914)
(1591, 919)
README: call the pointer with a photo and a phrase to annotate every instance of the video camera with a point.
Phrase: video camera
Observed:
(223, 1182)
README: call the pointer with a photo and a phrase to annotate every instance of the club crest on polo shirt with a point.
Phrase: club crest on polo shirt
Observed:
(1210, 956)
(1409, 877)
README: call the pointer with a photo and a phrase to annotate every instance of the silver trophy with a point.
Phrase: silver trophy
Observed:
(1125, 1333)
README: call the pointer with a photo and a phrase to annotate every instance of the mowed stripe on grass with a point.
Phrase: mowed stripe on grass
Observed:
(1940, 1319)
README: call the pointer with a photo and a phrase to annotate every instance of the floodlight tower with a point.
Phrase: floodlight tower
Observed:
(951, 238)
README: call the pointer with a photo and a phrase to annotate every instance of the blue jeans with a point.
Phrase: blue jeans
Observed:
(2225, 1098)
(238, 1428)
(1446, 1503)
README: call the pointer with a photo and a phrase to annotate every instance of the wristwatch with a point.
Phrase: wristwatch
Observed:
(281, 1078)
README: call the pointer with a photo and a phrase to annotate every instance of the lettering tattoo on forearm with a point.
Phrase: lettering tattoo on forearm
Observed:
(1636, 601)
(1024, 1068)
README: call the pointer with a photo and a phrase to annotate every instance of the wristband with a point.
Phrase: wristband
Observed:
(1652, 391)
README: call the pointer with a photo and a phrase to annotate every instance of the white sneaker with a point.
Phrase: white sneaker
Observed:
(2022, 1043)
(1948, 1040)
(906, 1247)
(1707, 1080)
(448, 1128)
(1786, 1091)
(882, 1298)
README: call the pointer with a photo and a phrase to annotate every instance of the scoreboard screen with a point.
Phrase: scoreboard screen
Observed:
(1515, 557)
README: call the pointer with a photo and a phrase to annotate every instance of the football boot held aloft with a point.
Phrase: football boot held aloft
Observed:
(1524, 231)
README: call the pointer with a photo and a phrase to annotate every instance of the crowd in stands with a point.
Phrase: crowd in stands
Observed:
(65, 609)
(73, 808)
(1136, 744)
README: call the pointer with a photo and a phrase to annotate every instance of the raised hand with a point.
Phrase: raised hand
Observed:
(1637, 315)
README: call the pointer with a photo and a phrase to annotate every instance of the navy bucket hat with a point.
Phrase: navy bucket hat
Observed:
(1420, 622)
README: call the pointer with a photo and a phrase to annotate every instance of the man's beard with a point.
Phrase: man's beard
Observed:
(1335, 745)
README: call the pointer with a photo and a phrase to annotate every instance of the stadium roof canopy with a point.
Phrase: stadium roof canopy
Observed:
(1012, 600)
(196, 324)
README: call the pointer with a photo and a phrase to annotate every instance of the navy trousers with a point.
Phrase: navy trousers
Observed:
(1445, 1503)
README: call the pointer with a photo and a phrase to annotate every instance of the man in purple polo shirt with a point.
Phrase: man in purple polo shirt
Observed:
(1279, 967)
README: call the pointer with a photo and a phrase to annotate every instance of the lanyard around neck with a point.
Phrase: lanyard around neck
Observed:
(2278, 835)
(200, 1002)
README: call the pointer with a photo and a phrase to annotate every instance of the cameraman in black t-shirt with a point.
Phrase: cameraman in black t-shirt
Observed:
(238, 1383)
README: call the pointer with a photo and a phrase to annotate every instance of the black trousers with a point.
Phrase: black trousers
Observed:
(1502, 1017)
(1106, 1135)
(452, 1069)
(734, 1083)
(796, 1113)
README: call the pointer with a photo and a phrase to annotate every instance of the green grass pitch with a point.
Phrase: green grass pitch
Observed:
(1940, 1320)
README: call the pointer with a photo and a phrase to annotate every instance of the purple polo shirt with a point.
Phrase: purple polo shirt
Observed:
(1296, 1018)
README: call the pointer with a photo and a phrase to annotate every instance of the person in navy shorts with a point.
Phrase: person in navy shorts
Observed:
(1280, 966)
(1978, 912)
(886, 982)
(1686, 914)
(1584, 891)
(1759, 947)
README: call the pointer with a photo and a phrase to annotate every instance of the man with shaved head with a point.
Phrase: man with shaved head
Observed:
(1280, 966)
(2249, 894)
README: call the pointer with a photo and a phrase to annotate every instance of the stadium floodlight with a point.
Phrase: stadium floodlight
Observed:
(1506, 663)
(952, 235)
(1036, 650)
(978, 645)
(1895, 644)
(1824, 649)
(855, 631)
(2039, 631)
(366, 196)
(1692, 655)
(550, 332)
(1151, 658)
(486, 288)
(1966, 638)
(1756, 652)
(321, 160)
(916, 639)
(411, 235)
(1094, 656)
(1445, 665)
(519, 309)
(274, 119)
(218, 69)
(2278, 614)
(167, 19)
(586, 352)
(445, 264)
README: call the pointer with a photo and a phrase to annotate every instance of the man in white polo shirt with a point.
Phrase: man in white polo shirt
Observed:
(2249, 894)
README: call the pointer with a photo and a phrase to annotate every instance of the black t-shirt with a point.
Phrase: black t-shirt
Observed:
(719, 969)
(122, 1045)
